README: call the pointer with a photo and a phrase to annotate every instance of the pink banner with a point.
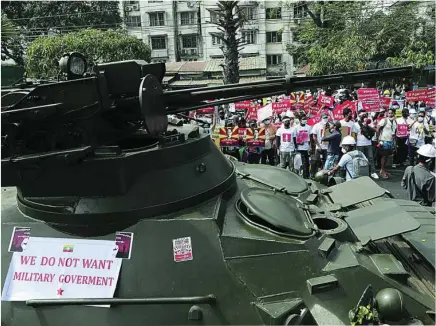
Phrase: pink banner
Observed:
(325, 100)
(206, 111)
(314, 120)
(431, 97)
(367, 93)
(417, 95)
(279, 107)
(402, 130)
(244, 105)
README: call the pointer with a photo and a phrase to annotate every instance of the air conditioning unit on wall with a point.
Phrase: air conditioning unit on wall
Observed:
(128, 8)
(135, 7)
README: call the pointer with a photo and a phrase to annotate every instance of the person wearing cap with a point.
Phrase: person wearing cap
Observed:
(286, 143)
(402, 147)
(304, 146)
(334, 146)
(365, 132)
(270, 134)
(418, 180)
(387, 128)
(347, 160)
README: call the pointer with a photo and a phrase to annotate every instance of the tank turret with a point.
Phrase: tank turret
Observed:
(93, 155)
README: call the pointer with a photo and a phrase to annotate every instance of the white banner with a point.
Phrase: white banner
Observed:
(50, 268)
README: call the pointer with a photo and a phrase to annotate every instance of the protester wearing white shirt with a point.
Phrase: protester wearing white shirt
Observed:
(286, 143)
(402, 147)
(348, 122)
(303, 148)
(364, 133)
(320, 154)
(418, 130)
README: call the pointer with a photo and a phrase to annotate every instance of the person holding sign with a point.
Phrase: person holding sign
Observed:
(286, 142)
(418, 130)
(404, 124)
(270, 134)
(348, 123)
(303, 143)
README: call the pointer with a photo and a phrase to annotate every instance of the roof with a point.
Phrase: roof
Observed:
(193, 66)
(250, 63)
(206, 82)
(173, 66)
(303, 69)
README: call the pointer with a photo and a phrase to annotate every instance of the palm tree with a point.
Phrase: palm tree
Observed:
(229, 20)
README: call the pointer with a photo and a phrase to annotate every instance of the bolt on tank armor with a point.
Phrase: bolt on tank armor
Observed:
(94, 157)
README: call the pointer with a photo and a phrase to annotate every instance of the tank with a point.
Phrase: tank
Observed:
(90, 156)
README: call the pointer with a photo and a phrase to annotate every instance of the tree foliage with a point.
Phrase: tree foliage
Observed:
(98, 46)
(229, 20)
(35, 18)
(348, 36)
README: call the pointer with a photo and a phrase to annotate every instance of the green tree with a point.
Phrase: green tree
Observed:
(229, 20)
(98, 46)
(37, 18)
(348, 36)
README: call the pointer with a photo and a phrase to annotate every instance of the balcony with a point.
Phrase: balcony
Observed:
(189, 52)
(163, 53)
(276, 70)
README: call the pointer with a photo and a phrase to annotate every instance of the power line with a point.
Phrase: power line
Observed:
(65, 15)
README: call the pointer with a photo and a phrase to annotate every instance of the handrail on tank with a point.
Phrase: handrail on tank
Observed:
(207, 299)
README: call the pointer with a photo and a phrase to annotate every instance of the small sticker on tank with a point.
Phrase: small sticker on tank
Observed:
(182, 248)
(123, 245)
(19, 240)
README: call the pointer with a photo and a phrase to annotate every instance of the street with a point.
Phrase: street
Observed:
(393, 184)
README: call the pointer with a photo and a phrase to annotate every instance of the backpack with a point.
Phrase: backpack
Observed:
(360, 165)
(367, 132)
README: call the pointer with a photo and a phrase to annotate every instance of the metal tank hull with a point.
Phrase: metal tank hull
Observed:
(256, 276)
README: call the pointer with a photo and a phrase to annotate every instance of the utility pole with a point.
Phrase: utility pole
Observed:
(176, 32)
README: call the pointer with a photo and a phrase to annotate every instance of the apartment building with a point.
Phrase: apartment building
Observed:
(184, 30)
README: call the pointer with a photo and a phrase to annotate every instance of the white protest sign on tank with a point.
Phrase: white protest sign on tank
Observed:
(51, 268)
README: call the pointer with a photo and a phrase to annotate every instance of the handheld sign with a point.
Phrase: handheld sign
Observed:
(402, 130)
(229, 136)
(255, 137)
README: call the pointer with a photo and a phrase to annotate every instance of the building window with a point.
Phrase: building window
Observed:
(299, 11)
(213, 17)
(157, 19)
(131, 3)
(187, 18)
(273, 37)
(274, 59)
(216, 40)
(158, 43)
(273, 13)
(133, 21)
(152, 1)
(248, 13)
(248, 37)
(189, 41)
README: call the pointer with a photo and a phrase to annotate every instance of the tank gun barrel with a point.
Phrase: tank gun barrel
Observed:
(191, 99)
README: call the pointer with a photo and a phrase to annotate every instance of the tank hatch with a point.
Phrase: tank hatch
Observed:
(381, 220)
(274, 177)
(274, 212)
